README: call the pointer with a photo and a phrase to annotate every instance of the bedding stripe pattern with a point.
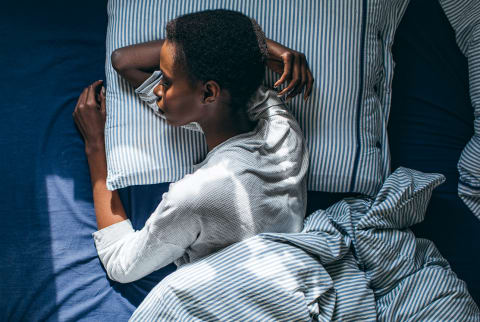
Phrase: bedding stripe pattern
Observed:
(464, 16)
(347, 44)
(355, 261)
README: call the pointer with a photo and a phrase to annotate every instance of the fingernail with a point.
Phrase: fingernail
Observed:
(103, 90)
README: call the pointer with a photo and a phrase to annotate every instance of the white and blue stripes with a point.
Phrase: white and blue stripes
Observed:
(347, 44)
(141, 148)
(355, 261)
(464, 16)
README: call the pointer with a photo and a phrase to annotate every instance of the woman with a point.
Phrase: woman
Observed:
(253, 178)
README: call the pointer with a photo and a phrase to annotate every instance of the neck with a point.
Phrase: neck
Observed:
(225, 128)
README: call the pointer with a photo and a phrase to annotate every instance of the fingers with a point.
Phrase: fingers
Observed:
(80, 104)
(76, 117)
(96, 84)
(295, 79)
(287, 66)
(301, 67)
(82, 97)
(89, 114)
(103, 109)
(298, 75)
(308, 89)
(87, 99)
(93, 89)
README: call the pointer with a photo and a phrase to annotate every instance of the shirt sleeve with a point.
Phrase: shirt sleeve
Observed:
(129, 255)
(145, 91)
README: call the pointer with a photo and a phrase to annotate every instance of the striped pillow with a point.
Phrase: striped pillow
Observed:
(464, 16)
(347, 44)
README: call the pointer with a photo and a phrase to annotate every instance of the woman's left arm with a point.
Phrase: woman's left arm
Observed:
(89, 116)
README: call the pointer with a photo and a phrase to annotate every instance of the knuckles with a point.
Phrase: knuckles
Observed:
(287, 55)
(87, 105)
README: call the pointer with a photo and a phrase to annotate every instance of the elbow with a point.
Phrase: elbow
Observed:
(120, 278)
(118, 275)
(118, 61)
(118, 269)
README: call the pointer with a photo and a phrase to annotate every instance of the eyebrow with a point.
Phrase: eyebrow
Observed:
(164, 74)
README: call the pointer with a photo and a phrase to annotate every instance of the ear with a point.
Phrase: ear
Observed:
(211, 92)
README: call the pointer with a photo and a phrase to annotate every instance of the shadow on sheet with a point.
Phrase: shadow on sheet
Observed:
(431, 121)
(50, 271)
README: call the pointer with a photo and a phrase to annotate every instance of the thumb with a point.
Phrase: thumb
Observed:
(103, 108)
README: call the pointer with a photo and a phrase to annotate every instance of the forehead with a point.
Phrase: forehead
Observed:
(167, 55)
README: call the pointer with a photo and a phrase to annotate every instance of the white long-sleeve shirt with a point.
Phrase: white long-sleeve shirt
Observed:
(252, 183)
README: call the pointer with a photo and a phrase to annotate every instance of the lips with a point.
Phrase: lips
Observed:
(159, 108)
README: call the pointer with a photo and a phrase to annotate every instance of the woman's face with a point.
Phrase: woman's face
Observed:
(177, 99)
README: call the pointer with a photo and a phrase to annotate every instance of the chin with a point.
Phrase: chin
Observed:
(173, 123)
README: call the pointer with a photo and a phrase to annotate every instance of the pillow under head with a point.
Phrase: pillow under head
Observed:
(347, 45)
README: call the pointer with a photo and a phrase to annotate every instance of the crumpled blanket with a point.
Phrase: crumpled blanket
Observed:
(356, 260)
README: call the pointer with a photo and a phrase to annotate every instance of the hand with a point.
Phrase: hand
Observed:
(293, 67)
(90, 116)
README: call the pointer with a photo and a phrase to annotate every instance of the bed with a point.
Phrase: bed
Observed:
(50, 269)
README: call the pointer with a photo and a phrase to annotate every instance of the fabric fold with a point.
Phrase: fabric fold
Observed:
(464, 16)
(356, 260)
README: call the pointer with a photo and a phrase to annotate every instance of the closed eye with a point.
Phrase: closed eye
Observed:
(164, 82)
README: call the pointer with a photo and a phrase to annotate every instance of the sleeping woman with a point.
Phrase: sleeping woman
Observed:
(253, 179)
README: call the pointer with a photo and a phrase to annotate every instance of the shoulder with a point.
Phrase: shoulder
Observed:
(216, 176)
(277, 125)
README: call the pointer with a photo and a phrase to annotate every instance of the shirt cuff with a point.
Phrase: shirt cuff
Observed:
(149, 84)
(109, 235)
(145, 91)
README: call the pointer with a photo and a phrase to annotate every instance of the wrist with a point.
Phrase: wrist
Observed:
(94, 148)
(97, 163)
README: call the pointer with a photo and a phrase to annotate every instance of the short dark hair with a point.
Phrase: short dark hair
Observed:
(221, 45)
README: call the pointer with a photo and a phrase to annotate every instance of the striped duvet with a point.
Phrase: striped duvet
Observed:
(356, 260)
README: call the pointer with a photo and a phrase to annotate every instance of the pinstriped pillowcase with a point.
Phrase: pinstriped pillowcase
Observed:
(347, 45)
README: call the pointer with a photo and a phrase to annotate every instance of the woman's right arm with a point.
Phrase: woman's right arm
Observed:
(137, 62)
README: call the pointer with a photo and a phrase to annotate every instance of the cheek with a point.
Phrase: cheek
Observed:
(177, 97)
(177, 101)
(182, 110)
(171, 98)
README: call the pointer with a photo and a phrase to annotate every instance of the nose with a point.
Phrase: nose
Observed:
(158, 91)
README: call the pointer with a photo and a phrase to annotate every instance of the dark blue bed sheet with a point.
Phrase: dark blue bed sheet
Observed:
(431, 120)
(49, 269)
(53, 49)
